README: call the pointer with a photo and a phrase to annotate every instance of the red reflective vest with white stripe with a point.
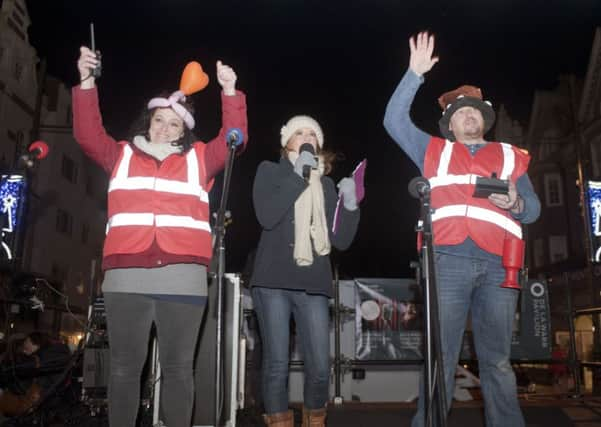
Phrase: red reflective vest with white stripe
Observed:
(166, 201)
(452, 172)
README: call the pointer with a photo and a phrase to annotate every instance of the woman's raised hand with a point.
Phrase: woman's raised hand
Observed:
(226, 78)
(85, 64)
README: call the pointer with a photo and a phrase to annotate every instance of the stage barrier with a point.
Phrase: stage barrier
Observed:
(375, 352)
(381, 339)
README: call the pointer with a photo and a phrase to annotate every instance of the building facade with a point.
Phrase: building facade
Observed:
(63, 226)
(563, 136)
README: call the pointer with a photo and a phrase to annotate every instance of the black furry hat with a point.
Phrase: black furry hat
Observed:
(464, 96)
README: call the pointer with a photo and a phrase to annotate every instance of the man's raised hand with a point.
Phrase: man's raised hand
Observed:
(421, 60)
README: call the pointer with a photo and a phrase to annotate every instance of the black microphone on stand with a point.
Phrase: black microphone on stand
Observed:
(419, 187)
(307, 169)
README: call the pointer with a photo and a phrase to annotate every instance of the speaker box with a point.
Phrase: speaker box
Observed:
(96, 368)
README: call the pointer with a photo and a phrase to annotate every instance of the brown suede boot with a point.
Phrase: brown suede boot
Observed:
(281, 419)
(314, 417)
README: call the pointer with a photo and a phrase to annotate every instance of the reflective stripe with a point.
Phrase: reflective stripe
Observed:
(449, 211)
(443, 178)
(181, 221)
(508, 161)
(438, 181)
(192, 187)
(496, 218)
(193, 173)
(178, 187)
(159, 184)
(133, 183)
(148, 219)
(124, 164)
(121, 219)
(445, 158)
(478, 213)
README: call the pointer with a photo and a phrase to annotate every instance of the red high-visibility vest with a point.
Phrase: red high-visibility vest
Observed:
(452, 172)
(166, 201)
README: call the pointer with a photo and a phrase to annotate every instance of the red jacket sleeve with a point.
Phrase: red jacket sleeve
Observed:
(89, 131)
(233, 115)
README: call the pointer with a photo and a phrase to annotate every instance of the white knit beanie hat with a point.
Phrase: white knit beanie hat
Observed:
(299, 122)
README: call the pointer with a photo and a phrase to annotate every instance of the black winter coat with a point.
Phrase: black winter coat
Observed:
(275, 191)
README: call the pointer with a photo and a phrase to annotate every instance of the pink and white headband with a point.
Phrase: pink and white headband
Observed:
(173, 103)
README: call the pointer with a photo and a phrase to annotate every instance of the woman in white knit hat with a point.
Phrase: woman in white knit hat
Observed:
(295, 203)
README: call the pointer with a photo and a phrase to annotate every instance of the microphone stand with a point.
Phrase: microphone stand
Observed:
(220, 248)
(435, 405)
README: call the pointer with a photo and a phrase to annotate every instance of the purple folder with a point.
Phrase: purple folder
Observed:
(359, 177)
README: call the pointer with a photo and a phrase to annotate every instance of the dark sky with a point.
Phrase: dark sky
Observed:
(338, 61)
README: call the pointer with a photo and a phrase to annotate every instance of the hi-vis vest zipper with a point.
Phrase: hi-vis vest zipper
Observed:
(452, 172)
(167, 202)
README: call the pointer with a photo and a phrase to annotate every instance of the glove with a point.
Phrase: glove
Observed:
(346, 190)
(304, 159)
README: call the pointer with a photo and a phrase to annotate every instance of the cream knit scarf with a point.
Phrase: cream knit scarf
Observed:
(158, 151)
(310, 225)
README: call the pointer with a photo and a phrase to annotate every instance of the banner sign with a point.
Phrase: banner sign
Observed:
(389, 322)
(593, 203)
(12, 199)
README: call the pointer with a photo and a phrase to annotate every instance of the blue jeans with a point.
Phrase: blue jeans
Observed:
(274, 308)
(469, 283)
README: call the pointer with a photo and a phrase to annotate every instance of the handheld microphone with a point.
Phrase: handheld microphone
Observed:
(234, 137)
(36, 151)
(306, 168)
(419, 187)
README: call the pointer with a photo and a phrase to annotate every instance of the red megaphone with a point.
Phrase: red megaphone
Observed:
(513, 258)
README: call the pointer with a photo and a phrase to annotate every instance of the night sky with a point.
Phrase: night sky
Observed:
(338, 61)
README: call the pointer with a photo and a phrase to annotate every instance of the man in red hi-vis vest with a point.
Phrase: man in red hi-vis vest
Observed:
(478, 243)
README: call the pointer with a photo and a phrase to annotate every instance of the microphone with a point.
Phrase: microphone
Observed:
(419, 187)
(36, 151)
(234, 137)
(306, 168)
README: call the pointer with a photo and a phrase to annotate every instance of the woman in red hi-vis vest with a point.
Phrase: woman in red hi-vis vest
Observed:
(158, 242)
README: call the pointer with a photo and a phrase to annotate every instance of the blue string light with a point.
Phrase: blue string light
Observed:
(11, 198)
(594, 207)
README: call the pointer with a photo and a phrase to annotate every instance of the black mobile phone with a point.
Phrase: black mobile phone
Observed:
(487, 186)
(96, 71)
